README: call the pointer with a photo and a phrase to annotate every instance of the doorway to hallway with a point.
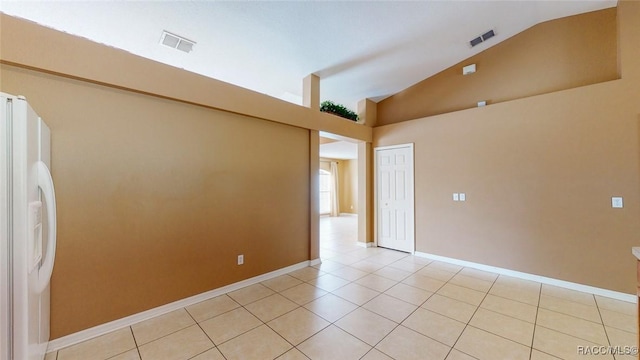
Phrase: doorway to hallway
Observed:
(338, 197)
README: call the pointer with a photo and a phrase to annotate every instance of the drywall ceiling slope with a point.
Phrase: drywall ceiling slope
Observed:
(360, 49)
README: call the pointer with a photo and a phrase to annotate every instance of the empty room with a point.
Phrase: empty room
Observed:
(319, 180)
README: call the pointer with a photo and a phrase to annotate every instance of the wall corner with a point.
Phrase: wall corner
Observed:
(368, 112)
(311, 92)
(365, 192)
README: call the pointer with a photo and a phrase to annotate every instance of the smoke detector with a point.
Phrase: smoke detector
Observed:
(482, 38)
(176, 42)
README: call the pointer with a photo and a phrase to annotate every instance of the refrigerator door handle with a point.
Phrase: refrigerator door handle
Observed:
(45, 182)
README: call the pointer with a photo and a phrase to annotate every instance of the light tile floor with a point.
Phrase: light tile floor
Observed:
(373, 303)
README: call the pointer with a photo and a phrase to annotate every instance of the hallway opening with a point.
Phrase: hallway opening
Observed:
(338, 195)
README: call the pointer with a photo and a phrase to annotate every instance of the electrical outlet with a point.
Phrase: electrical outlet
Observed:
(240, 259)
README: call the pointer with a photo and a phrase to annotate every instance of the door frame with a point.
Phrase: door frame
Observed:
(375, 190)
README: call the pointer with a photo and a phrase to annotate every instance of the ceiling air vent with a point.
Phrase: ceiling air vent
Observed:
(176, 42)
(475, 41)
(484, 37)
(488, 35)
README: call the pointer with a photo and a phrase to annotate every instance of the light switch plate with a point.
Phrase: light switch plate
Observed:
(616, 202)
(463, 197)
(469, 69)
(456, 197)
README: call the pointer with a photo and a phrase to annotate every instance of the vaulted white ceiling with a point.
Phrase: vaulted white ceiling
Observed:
(360, 49)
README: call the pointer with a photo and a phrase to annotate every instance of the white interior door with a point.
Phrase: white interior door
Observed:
(394, 197)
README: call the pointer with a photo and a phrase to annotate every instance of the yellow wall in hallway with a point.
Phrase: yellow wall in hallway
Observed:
(348, 183)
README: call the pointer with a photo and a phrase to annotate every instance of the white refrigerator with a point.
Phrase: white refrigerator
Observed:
(27, 230)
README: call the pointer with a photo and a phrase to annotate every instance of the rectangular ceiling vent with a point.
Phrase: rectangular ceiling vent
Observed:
(488, 35)
(176, 42)
(482, 38)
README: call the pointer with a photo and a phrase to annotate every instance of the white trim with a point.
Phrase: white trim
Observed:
(541, 279)
(390, 147)
(315, 262)
(99, 330)
(348, 214)
(375, 189)
(366, 245)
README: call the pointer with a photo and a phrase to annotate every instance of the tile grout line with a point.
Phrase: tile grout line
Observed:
(264, 323)
(383, 265)
(240, 334)
(205, 334)
(435, 292)
(418, 306)
(574, 336)
(400, 323)
(282, 337)
(198, 323)
(362, 307)
(135, 342)
(163, 336)
(344, 250)
(603, 324)
(470, 318)
(572, 316)
(330, 323)
(581, 318)
(518, 301)
(616, 311)
(535, 323)
(537, 305)
(124, 352)
(303, 307)
(509, 316)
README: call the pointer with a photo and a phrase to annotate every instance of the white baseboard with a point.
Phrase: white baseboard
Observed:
(365, 245)
(348, 214)
(541, 279)
(99, 330)
(315, 262)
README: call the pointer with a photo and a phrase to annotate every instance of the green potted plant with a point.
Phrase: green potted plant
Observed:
(339, 110)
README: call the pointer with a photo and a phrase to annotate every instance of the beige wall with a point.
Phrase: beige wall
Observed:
(28, 45)
(157, 198)
(539, 174)
(349, 186)
(348, 183)
(162, 176)
(556, 55)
